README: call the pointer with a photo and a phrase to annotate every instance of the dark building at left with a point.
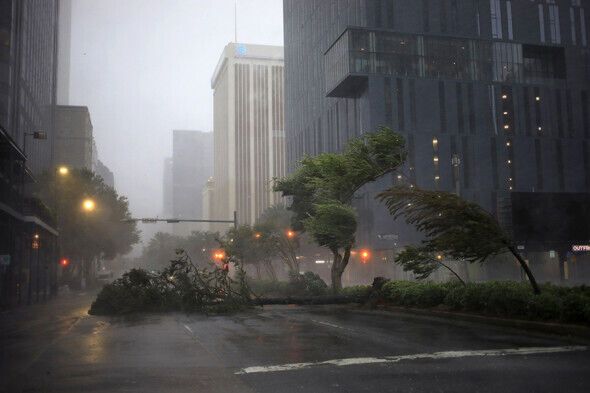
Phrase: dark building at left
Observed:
(28, 80)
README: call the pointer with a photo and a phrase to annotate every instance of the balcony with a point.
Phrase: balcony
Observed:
(358, 53)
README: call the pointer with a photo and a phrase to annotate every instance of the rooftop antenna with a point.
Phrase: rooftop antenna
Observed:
(236, 21)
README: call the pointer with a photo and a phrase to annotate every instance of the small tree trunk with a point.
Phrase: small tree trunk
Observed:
(335, 272)
(338, 267)
(270, 270)
(526, 269)
(454, 272)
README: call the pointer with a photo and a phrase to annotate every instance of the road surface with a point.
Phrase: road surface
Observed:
(57, 347)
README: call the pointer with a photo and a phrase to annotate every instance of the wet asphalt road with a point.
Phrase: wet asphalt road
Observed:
(57, 347)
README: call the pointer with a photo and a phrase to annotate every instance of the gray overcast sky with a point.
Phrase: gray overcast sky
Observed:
(143, 67)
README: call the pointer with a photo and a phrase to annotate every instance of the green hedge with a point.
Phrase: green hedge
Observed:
(503, 299)
(307, 284)
(357, 291)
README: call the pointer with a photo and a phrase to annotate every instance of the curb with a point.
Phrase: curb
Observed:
(577, 331)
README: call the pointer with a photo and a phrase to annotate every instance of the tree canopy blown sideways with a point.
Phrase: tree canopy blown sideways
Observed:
(322, 188)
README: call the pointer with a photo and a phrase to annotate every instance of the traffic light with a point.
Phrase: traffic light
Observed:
(365, 255)
(64, 262)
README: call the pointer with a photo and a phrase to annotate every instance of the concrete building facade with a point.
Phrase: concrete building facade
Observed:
(491, 95)
(107, 175)
(74, 142)
(167, 188)
(249, 130)
(192, 165)
(28, 66)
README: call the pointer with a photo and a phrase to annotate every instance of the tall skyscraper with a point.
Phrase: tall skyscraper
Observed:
(64, 48)
(167, 188)
(28, 42)
(74, 141)
(28, 66)
(249, 131)
(192, 165)
(491, 95)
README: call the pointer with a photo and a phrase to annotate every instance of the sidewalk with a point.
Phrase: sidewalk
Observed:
(26, 332)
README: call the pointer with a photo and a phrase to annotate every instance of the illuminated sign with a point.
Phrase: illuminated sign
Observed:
(581, 248)
(241, 50)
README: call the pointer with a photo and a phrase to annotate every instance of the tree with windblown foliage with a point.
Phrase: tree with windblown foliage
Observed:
(85, 236)
(322, 188)
(453, 227)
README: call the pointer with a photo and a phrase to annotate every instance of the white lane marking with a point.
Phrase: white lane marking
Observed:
(399, 358)
(331, 325)
(188, 328)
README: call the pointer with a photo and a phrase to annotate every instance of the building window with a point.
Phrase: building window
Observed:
(426, 15)
(585, 119)
(388, 102)
(554, 27)
(442, 107)
(573, 24)
(466, 159)
(539, 162)
(496, 16)
(443, 16)
(570, 114)
(413, 116)
(460, 118)
(470, 104)
(494, 156)
(559, 113)
(583, 28)
(400, 105)
(541, 23)
(509, 20)
(559, 158)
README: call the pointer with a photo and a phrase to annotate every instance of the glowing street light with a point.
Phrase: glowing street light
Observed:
(88, 205)
(63, 170)
(290, 234)
(365, 256)
(257, 235)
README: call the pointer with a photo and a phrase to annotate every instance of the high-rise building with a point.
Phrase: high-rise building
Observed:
(248, 128)
(107, 175)
(28, 66)
(74, 141)
(192, 165)
(64, 48)
(28, 74)
(167, 188)
(492, 96)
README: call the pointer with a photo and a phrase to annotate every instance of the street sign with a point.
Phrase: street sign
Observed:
(581, 248)
(4, 260)
(149, 220)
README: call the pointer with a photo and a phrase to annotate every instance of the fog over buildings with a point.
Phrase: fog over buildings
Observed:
(143, 68)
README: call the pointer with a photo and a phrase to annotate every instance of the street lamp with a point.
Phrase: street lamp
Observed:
(88, 205)
(290, 234)
(63, 170)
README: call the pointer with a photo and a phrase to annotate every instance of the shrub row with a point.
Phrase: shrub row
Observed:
(307, 284)
(503, 299)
